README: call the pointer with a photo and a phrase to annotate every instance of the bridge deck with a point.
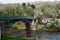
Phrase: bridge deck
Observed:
(6, 18)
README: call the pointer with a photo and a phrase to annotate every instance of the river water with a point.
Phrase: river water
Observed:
(37, 34)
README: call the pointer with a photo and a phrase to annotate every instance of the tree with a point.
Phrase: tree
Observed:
(33, 6)
(28, 4)
(24, 5)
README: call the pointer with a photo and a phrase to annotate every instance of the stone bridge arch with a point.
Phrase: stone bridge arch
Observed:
(26, 24)
(14, 19)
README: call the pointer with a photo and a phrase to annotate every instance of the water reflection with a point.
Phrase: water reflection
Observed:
(28, 34)
(37, 35)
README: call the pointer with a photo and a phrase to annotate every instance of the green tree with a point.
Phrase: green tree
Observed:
(24, 5)
(33, 6)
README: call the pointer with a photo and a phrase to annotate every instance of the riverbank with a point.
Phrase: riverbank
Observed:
(51, 30)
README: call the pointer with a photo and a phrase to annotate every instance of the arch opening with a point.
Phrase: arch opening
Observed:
(20, 25)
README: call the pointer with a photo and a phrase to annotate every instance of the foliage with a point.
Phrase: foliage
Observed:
(33, 6)
(16, 10)
(54, 25)
(27, 9)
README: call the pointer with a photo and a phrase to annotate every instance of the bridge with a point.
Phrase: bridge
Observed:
(14, 19)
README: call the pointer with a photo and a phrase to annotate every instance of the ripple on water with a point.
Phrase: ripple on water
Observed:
(40, 35)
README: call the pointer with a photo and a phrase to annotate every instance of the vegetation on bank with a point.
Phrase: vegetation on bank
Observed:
(30, 9)
(49, 26)
(46, 9)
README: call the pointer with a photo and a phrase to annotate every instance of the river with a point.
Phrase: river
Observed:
(37, 34)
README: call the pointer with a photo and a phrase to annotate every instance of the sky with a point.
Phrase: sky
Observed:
(21, 1)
